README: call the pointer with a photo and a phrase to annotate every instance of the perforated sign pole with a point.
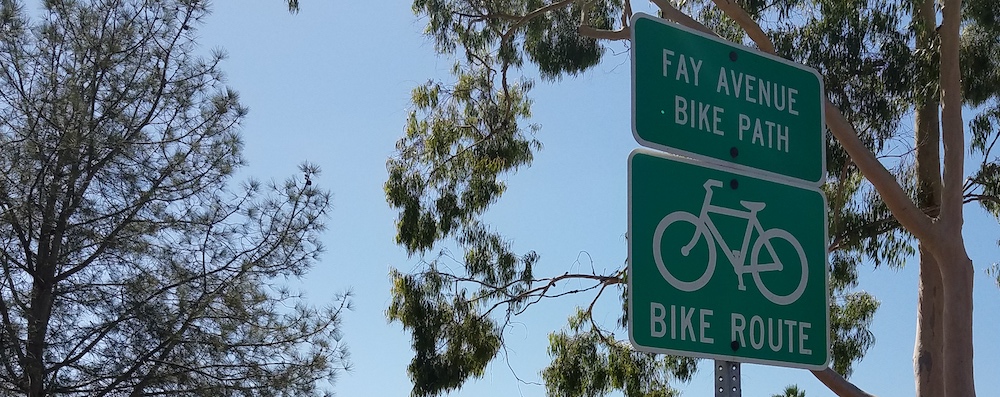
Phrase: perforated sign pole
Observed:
(727, 379)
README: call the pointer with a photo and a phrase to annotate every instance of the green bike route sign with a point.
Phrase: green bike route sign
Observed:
(706, 98)
(725, 265)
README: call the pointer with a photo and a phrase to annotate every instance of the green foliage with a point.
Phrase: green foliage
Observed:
(459, 142)
(791, 391)
(978, 58)
(448, 313)
(984, 184)
(864, 59)
(451, 340)
(553, 44)
(586, 362)
(850, 319)
(130, 267)
(994, 271)
(547, 30)
(851, 314)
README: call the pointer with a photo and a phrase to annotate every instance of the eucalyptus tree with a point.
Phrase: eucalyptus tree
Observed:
(131, 264)
(880, 60)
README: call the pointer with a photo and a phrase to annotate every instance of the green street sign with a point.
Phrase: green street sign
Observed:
(725, 265)
(706, 98)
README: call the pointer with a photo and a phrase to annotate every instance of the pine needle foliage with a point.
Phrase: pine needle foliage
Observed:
(131, 264)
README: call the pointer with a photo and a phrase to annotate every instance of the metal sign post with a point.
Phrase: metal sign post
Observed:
(727, 379)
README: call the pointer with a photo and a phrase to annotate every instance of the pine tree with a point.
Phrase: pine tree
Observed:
(132, 265)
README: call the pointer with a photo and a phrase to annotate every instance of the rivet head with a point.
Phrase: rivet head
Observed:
(733, 56)
(734, 184)
(735, 345)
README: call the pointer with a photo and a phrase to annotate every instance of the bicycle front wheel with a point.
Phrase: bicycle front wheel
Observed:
(785, 241)
(683, 248)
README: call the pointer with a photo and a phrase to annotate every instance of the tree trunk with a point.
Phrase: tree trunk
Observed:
(928, 364)
(957, 279)
(38, 321)
(947, 243)
(928, 349)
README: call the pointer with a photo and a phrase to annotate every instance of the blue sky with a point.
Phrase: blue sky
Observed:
(331, 86)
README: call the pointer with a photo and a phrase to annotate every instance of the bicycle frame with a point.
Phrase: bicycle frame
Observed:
(737, 258)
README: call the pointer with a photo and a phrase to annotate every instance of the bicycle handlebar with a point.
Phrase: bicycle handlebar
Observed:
(711, 183)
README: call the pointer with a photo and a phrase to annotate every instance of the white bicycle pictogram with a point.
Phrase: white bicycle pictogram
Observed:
(705, 228)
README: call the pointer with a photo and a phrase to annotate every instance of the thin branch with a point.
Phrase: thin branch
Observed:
(537, 293)
(838, 385)
(874, 228)
(672, 13)
(601, 34)
(590, 313)
(968, 198)
(532, 15)
(993, 143)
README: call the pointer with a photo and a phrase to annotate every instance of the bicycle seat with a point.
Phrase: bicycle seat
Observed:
(752, 205)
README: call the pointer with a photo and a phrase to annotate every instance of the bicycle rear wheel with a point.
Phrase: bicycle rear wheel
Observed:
(679, 241)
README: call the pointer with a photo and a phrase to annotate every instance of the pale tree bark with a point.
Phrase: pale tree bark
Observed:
(838, 385)
(928, 349)
(949, 249)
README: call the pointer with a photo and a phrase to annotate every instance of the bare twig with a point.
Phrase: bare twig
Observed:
(532, 15)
